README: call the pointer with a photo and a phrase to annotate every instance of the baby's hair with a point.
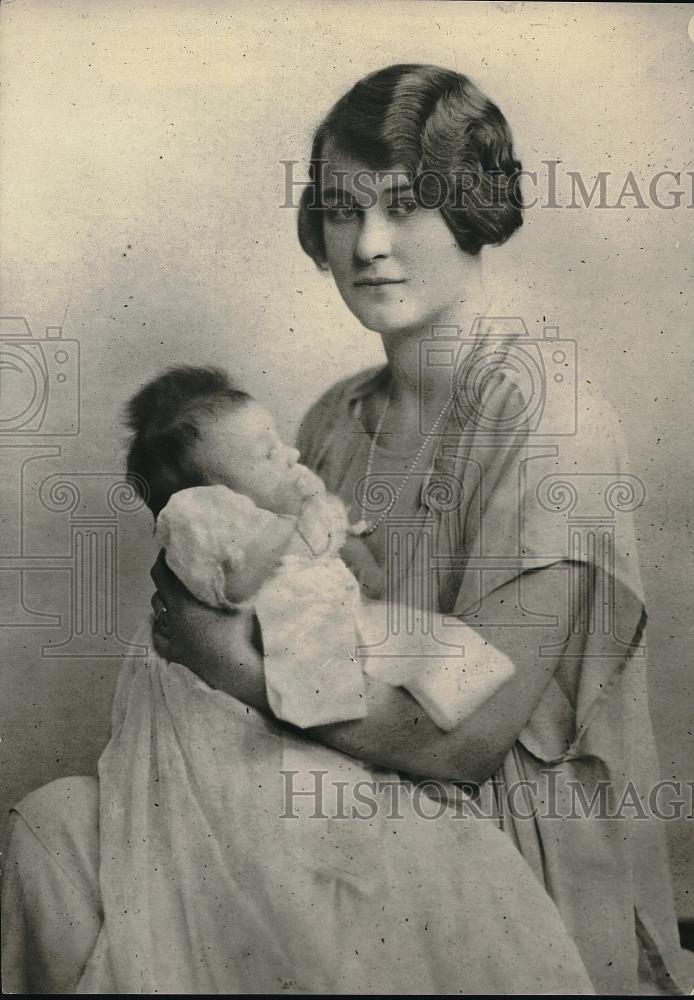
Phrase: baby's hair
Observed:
(164, 418)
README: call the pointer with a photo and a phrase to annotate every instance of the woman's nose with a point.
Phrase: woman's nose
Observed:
(374, 237)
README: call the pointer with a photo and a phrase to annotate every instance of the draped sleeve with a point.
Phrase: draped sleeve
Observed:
(575, 792)
(208, 533)
(527, 502)
(324, 438)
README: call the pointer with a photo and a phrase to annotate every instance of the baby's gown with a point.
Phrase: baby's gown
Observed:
(218, 876)
(238, 856)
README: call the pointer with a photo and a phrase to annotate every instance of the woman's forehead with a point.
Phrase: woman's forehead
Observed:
(342, 172)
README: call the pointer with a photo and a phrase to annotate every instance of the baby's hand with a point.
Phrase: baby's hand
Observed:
(357, 557)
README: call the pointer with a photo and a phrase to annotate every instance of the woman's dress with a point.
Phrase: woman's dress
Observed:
(504, 495)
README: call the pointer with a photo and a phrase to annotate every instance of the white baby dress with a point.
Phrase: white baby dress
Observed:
(315, 627)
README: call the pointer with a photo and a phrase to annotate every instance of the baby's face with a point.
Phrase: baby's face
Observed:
(242, 449)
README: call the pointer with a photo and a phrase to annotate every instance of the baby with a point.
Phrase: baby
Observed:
(243, 523)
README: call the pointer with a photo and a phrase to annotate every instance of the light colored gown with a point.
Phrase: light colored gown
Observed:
(222, 852)
(208, 876)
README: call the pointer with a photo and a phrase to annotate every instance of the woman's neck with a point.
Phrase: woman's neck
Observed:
(422, 362)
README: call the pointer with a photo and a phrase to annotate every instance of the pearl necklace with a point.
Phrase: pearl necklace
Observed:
(365, 528)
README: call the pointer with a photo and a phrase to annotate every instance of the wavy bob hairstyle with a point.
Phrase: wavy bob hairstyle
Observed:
(444, 132)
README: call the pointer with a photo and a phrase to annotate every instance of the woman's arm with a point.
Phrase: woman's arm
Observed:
(359, 560)
(397, 733)
(222, 649)
(220, 646)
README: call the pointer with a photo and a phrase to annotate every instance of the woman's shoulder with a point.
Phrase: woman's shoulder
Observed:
(347, 387)
(332, 405)
(512, 385)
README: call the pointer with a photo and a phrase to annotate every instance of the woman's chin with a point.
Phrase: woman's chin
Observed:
(387, 324)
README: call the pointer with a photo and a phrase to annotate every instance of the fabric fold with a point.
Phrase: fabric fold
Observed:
(449, 682)
(237, 857)
(308, 615)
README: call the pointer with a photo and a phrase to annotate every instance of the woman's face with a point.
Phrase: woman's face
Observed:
(396, 265)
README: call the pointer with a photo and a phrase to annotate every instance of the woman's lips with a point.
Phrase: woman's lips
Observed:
(378, 282)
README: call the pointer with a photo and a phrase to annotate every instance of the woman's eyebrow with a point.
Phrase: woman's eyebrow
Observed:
(337, 194)
(398, 191)
(399, 188)
(342, 197)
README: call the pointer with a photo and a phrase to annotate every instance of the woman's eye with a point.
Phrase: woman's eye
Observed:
(405, 206)
(341, 213)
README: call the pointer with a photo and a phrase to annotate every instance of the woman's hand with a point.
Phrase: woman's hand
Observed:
(398, 734)
(358, 558)
(182, 623)
(221, 647)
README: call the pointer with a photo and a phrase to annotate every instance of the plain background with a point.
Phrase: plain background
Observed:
(141, 191)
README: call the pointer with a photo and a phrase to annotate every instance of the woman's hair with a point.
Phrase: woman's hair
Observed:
(438, 126)
(165, 420)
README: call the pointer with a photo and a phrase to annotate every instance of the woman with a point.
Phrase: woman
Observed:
(503, 543)
(413, 173)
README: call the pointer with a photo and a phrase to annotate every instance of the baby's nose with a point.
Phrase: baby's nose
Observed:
(293, 456)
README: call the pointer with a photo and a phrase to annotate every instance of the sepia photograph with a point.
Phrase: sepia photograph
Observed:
(346, 379)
